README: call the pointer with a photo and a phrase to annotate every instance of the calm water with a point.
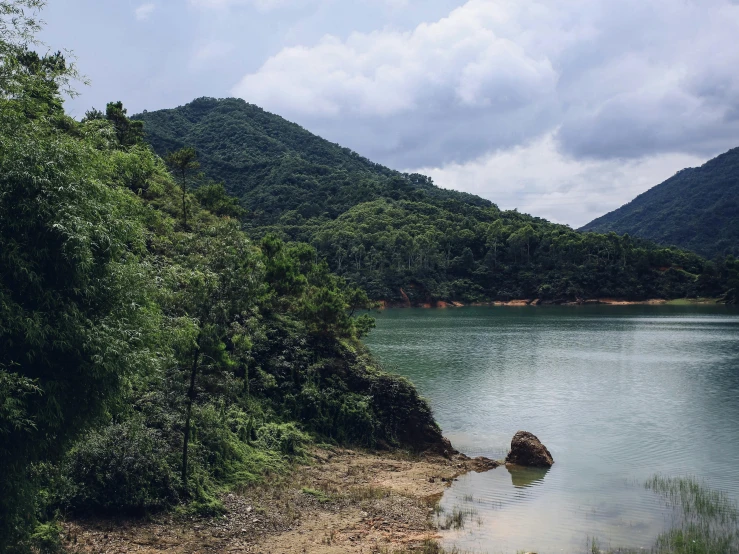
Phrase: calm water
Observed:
(617, 394)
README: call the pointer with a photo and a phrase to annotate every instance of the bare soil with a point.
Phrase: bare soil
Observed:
(344, 501)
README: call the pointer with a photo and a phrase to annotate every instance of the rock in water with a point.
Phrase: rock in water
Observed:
(527, 450)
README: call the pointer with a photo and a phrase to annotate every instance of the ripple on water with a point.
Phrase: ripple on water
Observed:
(617, 394)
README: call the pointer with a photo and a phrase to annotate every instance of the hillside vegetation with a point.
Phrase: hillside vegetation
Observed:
(399, 235)
(148, 361)
(696, 209)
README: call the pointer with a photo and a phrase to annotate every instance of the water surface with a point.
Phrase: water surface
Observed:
(617, 394)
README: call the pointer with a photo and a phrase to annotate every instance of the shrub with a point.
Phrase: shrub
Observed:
(283, 437)
(121, 468)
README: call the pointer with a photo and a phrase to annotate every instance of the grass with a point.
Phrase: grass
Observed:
(429, 546)
(696, 501)
(358, 494)
(707, 520)
(318, 495)
(455, 520)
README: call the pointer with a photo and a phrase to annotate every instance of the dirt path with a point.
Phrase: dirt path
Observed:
(343, 502)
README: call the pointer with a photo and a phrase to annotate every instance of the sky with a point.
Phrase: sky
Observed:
(565, 109)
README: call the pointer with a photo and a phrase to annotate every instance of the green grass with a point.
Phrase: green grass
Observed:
(457, 519)
(318, 495)
(695, 499)
(708, 521)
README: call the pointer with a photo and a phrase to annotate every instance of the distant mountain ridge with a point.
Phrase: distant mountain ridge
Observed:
(696, 209)
(399, 236)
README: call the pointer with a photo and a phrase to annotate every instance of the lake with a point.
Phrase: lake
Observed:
(617, 393)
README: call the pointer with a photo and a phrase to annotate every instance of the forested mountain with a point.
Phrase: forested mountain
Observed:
(696, 209)
(280, 170)
(151, 354)
(399, 235)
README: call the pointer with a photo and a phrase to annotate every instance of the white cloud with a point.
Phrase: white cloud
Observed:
(562, 108)
(459, 61)
(619, 79)
(537, 178)
(144, 11)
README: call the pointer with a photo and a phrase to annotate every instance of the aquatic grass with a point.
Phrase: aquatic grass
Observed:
(438, 509)
(428, 546)
(695, 500)
(697, 539)
(457, 518)
(707, 521)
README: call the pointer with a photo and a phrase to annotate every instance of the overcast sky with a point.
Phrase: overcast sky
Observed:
(565, 109)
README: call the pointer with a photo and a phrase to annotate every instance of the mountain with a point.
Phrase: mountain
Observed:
(697, 209)
(399, 236)
(276, 166)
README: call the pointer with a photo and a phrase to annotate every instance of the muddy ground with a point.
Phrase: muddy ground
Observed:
(343, 501)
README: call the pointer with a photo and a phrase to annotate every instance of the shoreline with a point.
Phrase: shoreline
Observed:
(442, 304)
(344, 500)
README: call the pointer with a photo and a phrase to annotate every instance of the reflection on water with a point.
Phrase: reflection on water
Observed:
(523, 477)
(616, 394)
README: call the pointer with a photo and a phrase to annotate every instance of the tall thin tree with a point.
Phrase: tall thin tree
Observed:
(182, 163)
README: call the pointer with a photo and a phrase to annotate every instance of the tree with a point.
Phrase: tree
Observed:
(129, 132)
(183, 163)
(214, 198)
(217, 277)
(76, 316)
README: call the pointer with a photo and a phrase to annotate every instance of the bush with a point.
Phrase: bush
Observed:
(46, 538)
(283, 437)
(121, 468)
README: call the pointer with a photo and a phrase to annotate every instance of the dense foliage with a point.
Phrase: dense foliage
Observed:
(400, 237)
(697, 209)
(148, 360)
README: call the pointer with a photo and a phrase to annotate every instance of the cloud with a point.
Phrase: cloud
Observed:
(401, 88)
(144, 11)
(268, 5)
(669, 88)
(620, 80)
(538, 178)
(209, 51)
(259, 5)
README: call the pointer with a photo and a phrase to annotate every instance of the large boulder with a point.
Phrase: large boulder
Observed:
(527, 450)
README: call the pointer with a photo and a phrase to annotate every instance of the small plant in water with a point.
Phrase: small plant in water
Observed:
(457, 519)
(429, 546)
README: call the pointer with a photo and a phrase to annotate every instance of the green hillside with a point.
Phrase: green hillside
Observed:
(396, 234)
(152, 356)
(697, 209)
(279, 169)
